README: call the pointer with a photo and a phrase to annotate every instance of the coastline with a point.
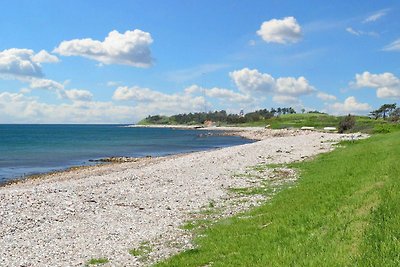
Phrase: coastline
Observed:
(250, 133)
(12, 174)
(105, 210)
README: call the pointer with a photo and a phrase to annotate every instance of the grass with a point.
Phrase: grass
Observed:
(319, 121)
(142, 251)
(97, 261)
(344, 211)
(316, 120)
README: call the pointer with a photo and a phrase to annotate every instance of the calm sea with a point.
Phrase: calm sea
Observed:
(33, 149)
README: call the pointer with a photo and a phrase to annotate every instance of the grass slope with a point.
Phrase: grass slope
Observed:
(344, 211)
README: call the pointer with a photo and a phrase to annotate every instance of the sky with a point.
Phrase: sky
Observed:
(82, 61)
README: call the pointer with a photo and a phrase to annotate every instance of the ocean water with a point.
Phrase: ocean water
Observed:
(32, 149)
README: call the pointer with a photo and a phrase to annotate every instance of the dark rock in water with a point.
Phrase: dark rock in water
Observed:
(115, 159)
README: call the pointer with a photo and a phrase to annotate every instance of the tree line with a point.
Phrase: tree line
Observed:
(219, 116)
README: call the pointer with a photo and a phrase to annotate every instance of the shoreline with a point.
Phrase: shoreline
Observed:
(106, 210)
(251, 133)
(107, 160)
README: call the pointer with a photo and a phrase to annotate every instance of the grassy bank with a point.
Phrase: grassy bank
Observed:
(344, 211)
(317, 120)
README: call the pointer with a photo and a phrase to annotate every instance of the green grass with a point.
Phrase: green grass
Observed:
(319, 121)
(344, 211)
(142, 251)
(97, 261)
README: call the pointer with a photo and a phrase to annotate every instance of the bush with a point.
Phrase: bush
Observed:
(347, 123)
(387, 128)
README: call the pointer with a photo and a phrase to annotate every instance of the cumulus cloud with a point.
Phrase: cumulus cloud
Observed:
(326, 97)
(18, 108)
(44, 57)
(284, 89)
(387, 85)
(23, 64)
(394, 46)
(157, 102)
(350, 105)
(45, 84)
(228, 95)
(252, 80)
(59, 89)
(281, 31)
(193, 98)
(130, 48)
(77, 95)
(292, 86)
(19, 64)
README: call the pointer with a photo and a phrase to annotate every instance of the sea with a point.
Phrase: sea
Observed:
(28, 149)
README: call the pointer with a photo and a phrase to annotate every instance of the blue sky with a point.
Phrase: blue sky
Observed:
(117, 62)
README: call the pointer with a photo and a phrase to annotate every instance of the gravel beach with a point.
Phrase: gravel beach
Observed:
(68, 218)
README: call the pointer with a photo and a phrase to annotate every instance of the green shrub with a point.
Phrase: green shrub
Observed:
(347, 123)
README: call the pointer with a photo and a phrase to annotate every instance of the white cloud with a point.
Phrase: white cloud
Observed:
(252, 80)
(352, 31)
(387, 85)
(77, 95)
(44, 57)
(17, 108)
(45, 84)
(228, 99)
(280, 31)
(193, 89)
(19, 64)
(375, 16)
(59, 89)
(350, 105)
(394, 46)
(154, 102)
(284, 88)
(292, 86)
(326, 97)
(130, 48)
(124, 93)
(359, 33)
(228, 95)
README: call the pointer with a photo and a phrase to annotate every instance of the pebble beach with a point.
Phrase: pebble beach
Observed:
(67, 218)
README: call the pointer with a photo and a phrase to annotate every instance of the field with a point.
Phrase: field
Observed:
(343, 211)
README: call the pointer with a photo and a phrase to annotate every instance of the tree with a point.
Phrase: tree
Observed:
(303, 110)
(385, 109)
(375, 114)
